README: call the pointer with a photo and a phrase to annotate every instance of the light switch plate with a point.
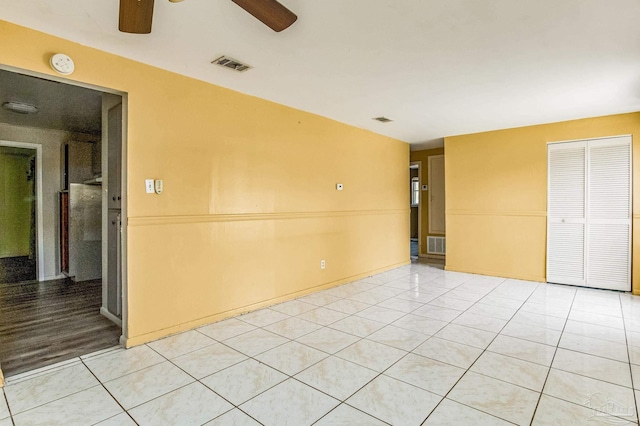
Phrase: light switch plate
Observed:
(150, 186)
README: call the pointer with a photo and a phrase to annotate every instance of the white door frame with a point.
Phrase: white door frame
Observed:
(39, 214)
(431, 158)
(420, 200)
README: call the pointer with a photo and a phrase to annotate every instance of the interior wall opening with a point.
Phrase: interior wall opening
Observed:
(61, 269)
(17, 214)
(414, 194)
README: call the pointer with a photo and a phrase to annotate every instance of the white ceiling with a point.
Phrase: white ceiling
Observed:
(437, 67)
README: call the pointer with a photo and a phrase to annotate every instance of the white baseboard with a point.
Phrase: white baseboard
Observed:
(110, 316)
(55, 277)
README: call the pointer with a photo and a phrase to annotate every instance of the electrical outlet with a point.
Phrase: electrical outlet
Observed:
(322, 264)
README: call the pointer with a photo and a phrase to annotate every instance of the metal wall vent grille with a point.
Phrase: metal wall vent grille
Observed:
(233, 64)
(436, 245)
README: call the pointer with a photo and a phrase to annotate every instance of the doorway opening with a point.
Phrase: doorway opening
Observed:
(18, 257)
(61, 270)
(416, 211)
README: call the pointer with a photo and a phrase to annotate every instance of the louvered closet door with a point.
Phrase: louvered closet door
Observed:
(566, 218)
(589, 213)
(609, 214)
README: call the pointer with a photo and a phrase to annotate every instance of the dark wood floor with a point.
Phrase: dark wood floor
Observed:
(42, 323)
(17, 269)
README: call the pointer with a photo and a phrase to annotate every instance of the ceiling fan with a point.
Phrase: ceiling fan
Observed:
(136, 16)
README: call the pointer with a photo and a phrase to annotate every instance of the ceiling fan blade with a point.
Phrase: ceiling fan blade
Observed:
(136, 16)
(270, 12)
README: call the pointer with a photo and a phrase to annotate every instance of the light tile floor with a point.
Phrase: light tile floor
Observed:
(411, 346)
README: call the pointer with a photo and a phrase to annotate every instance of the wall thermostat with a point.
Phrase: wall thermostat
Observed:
(62, 64)
(159, 186)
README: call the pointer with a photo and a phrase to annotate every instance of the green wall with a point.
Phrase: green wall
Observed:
(16, 198)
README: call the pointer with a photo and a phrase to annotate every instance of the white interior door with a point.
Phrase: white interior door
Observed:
(589, 213)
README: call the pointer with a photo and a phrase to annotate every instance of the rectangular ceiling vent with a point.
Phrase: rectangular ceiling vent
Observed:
(227, 62)
(383, 119)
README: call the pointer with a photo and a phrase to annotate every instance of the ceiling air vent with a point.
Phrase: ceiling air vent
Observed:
(227, 62)
(383, 119)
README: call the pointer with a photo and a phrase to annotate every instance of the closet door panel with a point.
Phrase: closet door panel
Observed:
(609, 256)
(566, 213)
(610, 179)
(609, 214)
(565, 254)
(567, 178)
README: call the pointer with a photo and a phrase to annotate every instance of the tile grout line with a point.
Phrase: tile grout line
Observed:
(372, 379)
(478, 357)
(289, 340)
(578, 288)
(583, 375)
(6, 401)
(198, 380)
(329, 355)
(411, 352)
(111, 395)
(626, 339)
(432, 336)
(350, 406)
(195, 381)
(59, 398)
(553, 358)
(150, 366)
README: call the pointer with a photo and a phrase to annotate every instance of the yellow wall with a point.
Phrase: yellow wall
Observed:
(496, 185)
(423, 156)
(249, 205)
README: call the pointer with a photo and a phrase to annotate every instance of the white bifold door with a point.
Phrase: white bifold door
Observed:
(589, 213)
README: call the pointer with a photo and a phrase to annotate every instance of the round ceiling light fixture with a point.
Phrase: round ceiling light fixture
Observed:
(20, 107)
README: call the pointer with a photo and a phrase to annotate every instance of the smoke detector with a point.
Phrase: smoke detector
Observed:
(233, 64)
(383, 119)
